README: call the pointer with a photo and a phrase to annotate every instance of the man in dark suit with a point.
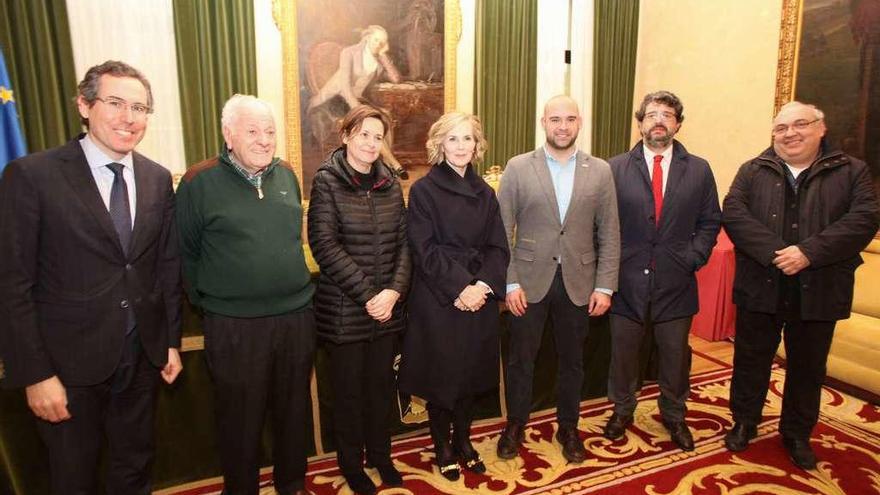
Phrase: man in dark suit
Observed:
(669, 221)
(89, 287)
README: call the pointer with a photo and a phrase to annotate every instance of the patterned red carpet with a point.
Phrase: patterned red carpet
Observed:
(847, 442)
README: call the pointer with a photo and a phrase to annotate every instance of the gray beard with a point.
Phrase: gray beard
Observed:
(659, 142)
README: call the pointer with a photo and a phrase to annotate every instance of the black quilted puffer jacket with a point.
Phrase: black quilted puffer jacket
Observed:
(358, 238)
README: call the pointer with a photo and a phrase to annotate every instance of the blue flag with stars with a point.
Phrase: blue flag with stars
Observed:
(11, 140)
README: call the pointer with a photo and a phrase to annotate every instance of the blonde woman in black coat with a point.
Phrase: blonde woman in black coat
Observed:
(460, 257)
(357, 232)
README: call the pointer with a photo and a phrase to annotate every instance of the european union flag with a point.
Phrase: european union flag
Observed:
(11, 140)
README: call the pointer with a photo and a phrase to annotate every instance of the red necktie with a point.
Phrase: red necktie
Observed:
(657, 187)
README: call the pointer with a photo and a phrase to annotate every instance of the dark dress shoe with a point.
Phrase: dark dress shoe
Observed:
(737, 439)
(800, 452)
(360, 483)
(572, 447)
(616, 426)
(469, 457)
(390, 475)
(511, 440)
(680, 435)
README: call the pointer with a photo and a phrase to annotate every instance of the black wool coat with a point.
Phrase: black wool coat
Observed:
(456, 237)
(838, 216)
(358, 239)
(658, 262)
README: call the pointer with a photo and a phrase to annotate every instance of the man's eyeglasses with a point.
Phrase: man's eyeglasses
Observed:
(660, 116)
(799, 125)
(118, 105)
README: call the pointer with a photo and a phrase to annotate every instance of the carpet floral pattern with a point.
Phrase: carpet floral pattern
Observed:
(847, 442)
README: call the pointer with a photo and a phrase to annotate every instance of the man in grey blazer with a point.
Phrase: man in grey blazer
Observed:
(559, 208)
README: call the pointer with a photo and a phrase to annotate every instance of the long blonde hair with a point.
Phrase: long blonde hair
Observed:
(444, 126)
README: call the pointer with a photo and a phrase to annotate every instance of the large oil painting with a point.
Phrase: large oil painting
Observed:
(830, 56)
(340, 53)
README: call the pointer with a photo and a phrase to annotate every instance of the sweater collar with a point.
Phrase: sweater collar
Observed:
(227, 159)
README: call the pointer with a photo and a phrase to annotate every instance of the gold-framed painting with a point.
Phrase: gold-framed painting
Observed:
(829, 55)
(396, 54)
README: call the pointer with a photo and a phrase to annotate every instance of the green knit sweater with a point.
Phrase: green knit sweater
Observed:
(242, 254)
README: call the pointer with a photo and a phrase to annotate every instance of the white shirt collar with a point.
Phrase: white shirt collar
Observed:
(649, 154)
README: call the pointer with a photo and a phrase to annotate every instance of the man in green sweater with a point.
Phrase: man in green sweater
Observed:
(240, 221)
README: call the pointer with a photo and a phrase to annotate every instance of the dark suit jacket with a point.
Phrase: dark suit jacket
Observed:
(689, 225)
(64, 279)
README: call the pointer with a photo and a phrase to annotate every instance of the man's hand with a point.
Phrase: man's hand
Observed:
(473, 297)
(516, 301)
(599, 303)
(173, 367)
(48, 400)
(791, 260)
(382, 304)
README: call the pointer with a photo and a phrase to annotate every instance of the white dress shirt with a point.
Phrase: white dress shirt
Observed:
(664, 163)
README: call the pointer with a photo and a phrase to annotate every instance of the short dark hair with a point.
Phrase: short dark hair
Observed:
(355, 118)
(89, 86)
(665, 97)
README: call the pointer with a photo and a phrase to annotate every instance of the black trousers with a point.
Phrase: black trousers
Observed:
(363, 392)
(674, 355)
(257, 364)
(570, 328)
(122, 410)
(806, 349)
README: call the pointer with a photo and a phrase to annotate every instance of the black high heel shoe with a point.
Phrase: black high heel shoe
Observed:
(447, 462)
(469, 457)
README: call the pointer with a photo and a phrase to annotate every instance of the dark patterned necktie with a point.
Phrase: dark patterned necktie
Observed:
(120, 213)
(120, 209)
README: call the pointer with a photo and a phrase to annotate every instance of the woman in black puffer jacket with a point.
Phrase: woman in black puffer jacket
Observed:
(357, 233)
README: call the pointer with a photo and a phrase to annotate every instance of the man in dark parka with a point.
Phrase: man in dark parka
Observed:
(798, 216)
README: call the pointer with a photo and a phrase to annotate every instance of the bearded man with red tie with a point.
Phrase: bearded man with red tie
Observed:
(669, 221)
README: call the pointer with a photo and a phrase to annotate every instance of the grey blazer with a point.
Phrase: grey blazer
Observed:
(588, 238)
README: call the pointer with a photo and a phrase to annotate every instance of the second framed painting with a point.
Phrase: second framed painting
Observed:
(829, 55)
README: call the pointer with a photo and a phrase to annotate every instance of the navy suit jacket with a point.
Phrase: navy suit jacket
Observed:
(657, 263)
(64, 278)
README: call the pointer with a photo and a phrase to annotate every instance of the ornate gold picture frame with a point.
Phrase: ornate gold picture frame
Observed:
(789, 36)
(829, 55)
(286, 16)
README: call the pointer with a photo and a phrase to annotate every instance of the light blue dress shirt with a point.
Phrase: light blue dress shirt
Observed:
(103, 176)
(562, 175)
